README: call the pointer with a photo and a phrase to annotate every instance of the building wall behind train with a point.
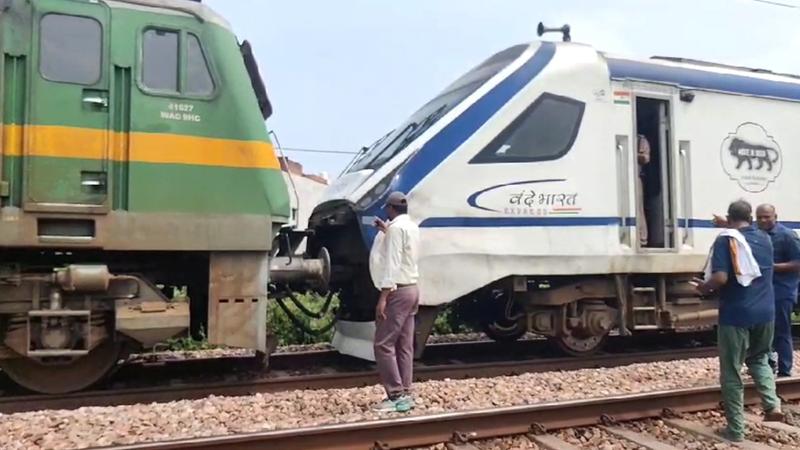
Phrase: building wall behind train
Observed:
(308, 188)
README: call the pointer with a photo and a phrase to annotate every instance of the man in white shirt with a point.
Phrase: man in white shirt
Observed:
(393, 266)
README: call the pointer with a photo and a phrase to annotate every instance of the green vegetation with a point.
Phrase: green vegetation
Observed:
(448, 322)
(188, 343)
(288, 333)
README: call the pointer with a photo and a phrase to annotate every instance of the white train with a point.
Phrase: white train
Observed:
(523, 177)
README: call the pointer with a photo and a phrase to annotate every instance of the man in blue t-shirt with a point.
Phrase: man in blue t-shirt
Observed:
(746, 320)
(786, 247)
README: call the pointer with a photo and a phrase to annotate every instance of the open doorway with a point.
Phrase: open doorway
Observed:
(655, 213)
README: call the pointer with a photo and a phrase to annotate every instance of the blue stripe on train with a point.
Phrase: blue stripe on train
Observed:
(452, 136)
(498, 222)
(439, 147)
(507, 222)
(701, 79)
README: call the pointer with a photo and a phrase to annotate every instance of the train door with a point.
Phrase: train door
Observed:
(655, 184)
(67, 132)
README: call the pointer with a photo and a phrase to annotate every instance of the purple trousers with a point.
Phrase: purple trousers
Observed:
(394, 341)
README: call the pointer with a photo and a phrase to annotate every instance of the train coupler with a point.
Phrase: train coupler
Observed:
(299, 272)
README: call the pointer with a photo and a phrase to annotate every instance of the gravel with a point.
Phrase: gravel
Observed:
(191, 354)
(509, 443)
(597, 438)
(227, 415)
(173, 355)
(592, 437)
(515, 443)
(755, 431)
(474, 337)
(673, 436)
(322, 346)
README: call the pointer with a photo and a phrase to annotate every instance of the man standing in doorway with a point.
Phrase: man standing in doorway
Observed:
(393, 266)
(642, 159)
(786, 247)
(741, 271)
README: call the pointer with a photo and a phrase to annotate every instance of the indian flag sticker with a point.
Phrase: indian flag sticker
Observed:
(622, 98)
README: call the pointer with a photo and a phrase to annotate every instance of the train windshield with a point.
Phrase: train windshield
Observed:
(391, 144)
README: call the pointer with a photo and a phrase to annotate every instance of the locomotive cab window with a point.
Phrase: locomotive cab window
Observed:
(545, 130)
(174, 62)
(198, 75)
(71, 49)
(160, 58)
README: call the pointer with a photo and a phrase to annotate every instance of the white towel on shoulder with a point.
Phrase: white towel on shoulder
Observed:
(744, 263)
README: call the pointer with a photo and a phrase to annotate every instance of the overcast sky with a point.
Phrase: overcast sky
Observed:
(342, 73)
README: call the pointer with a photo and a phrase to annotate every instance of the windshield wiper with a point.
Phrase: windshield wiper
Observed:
(365, 151)
(427, 122)
(411, 131)
(409, 128)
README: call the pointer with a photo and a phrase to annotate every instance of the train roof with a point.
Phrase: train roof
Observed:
(181, 7)
(704, 75)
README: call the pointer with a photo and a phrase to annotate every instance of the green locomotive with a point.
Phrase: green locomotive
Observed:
(134, 158)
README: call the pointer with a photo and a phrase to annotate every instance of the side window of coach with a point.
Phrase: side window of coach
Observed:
(544, 131)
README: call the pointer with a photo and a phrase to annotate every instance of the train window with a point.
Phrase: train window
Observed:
(198, 75)
(434, 110)
(160, 60)
(71, 49)
(544, 131)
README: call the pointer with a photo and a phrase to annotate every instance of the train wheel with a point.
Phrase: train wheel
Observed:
(505, 331)
(576, 346)
(63, 378)
(507, 324)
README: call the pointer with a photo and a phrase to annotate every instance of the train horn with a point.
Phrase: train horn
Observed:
(564, 30)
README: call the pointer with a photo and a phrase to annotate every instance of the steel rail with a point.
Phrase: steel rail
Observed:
(162, 394)
(481, 424)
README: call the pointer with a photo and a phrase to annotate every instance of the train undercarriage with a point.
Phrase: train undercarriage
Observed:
(67, 320)
(576, 313)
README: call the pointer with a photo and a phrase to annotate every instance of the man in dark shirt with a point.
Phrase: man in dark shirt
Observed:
(746, 320)
(786, 246)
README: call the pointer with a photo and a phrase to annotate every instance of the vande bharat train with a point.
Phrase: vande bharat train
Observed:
(524, 179)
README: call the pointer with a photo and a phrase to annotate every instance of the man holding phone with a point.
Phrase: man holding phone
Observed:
(393, 267)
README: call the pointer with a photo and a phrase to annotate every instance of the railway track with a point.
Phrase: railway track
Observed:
(331, 379)
(539, 419)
